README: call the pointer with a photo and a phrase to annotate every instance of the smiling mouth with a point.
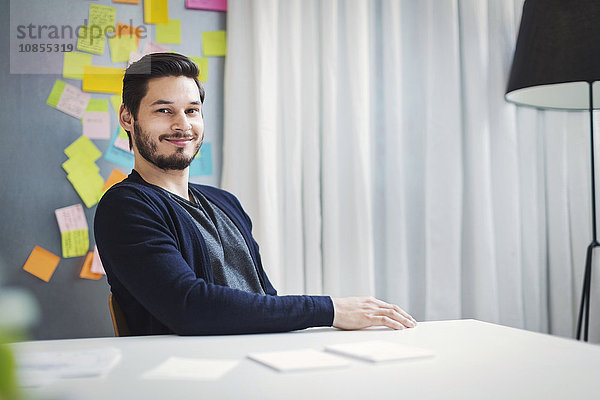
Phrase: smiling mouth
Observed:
(179, 141)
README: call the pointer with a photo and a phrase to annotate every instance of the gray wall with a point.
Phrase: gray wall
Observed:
(34, 135)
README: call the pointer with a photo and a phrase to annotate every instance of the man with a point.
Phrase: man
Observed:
(180, 257)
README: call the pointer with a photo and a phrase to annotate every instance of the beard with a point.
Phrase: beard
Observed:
(148, 150)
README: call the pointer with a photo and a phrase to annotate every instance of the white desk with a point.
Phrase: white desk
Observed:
(474, 360)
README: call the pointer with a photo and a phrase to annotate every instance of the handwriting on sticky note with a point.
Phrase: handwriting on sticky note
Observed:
(214, 43)
(41, 263)
(96, 124)
(101, 21)
(71, 218)
(68, 99)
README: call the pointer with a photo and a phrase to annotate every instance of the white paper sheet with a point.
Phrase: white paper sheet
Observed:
(379, 350)
(298, 360)
(178, 368)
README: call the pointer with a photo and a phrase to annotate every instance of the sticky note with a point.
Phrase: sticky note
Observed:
(214, 43)
(74, 164)
(71, 218)
(97, 267)
(101, 21)
(86, 269)
(97, 105)
(128, 30)
(115, 176)
(121, 47)
(152, 47)
(118, 156)
(298, 360)
(96, 124)
(88, 186)
(116, 101)
(156, 11)
(73, 64)
(202, 63)
(41, 263)
(190, 369)
(103, 79)
(127, 1)
(83, 147)
(75, 243)
(169, 32)
(68, 99)
(215, 5)
(122, 140)
(202, 163)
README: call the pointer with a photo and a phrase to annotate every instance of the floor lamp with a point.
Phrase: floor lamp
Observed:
(555, 66)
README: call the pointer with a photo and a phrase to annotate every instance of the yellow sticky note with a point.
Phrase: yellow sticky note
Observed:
(73, 64)
(86, 269)
(88, 186)
(128, 30)
(89, 41)
(202, 63)
(121, 47)
(156, 11)
(41, 263)
(75, 243)
(103, 79)
(74, 164)
(84, 148)
(214, 43)
(115, 177)
(169, 32)
(116, 101)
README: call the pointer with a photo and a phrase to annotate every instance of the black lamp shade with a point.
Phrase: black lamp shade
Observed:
(557, 54)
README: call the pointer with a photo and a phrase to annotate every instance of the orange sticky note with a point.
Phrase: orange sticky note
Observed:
(86, 270)
(128, 30)
(41, 263)
(116, 176)
(102, 79)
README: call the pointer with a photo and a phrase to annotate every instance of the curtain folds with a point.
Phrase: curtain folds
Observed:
(370, 142)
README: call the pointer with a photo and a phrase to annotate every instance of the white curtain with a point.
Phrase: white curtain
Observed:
(370, 142)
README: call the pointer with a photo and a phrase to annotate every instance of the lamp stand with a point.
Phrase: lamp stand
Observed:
(584, 308)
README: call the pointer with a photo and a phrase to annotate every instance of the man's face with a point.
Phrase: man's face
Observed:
(169, 127)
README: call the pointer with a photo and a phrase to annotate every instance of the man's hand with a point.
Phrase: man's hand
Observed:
(363, 312)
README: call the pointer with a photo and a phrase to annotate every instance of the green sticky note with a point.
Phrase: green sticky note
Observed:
(97, 105)
(84, 148)
(121, 47)
(214, 43)
(55, 93)
(89, 41)
(116, 101)
(75, 243)
(73, 64)
(72, 165)
(169, 32)
(88, 186)
(202, 63)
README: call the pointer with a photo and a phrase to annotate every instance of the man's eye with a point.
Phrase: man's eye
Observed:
(193, 111)
(162, 110)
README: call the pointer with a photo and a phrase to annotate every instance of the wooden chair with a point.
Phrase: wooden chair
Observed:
(118, 318)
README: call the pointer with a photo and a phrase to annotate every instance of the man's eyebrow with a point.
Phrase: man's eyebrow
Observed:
(159, 102)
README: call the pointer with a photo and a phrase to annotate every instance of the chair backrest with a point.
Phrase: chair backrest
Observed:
(118, 318)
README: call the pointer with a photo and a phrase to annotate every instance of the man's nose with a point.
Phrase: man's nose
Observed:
(180, 122)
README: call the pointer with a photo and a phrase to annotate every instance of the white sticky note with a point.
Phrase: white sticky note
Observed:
(73, 101)
(298, 360)
(379, 350)
(96, 124)
(97, 267)
(191, 369)
(71, 218)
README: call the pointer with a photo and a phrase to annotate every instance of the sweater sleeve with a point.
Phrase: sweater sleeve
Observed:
(139, 249)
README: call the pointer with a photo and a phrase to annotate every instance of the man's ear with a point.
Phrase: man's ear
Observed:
(126, 119)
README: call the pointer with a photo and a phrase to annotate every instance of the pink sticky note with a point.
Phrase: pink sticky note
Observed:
(73, 101)
(215, 5)
(71, 218)
(96, 124)
(151, 47)
(97, 267)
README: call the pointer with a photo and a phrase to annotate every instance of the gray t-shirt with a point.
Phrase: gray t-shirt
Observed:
(228, 252)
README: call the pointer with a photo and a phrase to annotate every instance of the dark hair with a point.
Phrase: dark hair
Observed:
(155, 65)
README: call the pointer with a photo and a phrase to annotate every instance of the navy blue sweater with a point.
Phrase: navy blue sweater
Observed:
(157, 265)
